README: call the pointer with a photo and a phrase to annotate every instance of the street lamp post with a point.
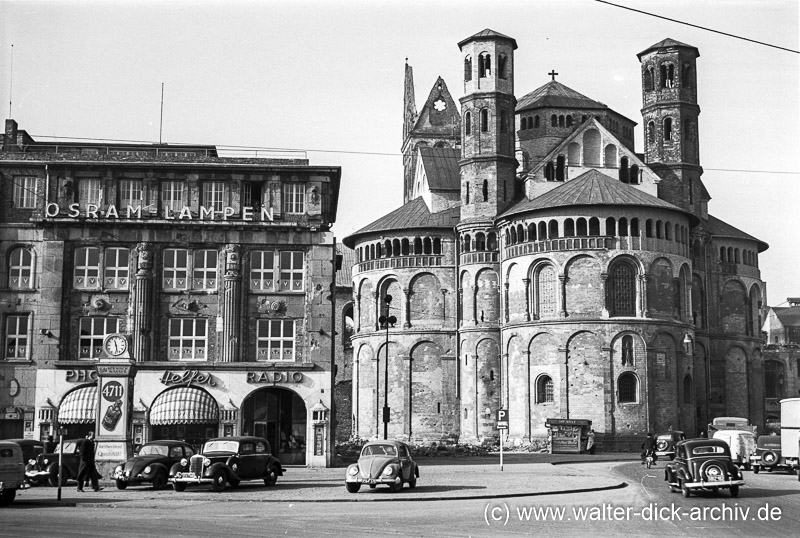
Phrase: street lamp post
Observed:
(386, 321)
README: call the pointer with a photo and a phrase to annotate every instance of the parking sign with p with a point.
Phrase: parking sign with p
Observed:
(502, 419)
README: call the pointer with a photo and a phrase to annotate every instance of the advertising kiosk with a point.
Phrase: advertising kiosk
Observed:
(567, 434)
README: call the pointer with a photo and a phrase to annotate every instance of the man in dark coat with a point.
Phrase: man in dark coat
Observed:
(87, 470)
(649, 445)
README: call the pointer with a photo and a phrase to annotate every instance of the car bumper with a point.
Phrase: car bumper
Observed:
(714, 484)
(665, 453)
(128, 479)
(372, 481)
(190, 478)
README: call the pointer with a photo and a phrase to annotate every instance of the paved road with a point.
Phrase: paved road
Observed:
(458, 499)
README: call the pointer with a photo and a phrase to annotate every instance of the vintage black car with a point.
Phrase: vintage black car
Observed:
(151, 464)
(703, 464)
(665, 443)
(228, 460)
(12, 471)
(71, 460)
(768, 455)
(31, 448)
(383, 462)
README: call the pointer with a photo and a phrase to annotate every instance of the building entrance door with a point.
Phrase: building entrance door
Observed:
(279, 416)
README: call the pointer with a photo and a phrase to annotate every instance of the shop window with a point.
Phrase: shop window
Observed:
(90, 192)
(20, 269)
(213, 195)
(24, 196)
(131, 194)
(544, 389)
(115, 268)
(275, 340)
(627, 386)
(172, 196)
(187, 339)
(93, 331)
(16, 334)
(294, 198)
(86, 272)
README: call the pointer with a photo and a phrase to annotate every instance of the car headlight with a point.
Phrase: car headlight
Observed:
(352, 471)
(389, 470)
(206, 462)
(147, 470)
(184, 462)
(118, 469)
(46, 461)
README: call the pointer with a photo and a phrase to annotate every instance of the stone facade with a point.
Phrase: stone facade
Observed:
(577, 279)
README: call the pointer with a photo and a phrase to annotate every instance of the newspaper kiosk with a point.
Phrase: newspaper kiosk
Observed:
(567, 435)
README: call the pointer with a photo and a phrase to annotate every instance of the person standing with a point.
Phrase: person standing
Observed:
(50, 445)
(590, 443)
(87, 470)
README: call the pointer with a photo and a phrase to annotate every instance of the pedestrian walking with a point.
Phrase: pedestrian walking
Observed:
(87, 469)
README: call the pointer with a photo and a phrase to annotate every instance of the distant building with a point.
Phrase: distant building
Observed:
(781, 358)
(217, 271)
(540, 264)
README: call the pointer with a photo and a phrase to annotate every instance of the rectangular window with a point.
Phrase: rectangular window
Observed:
(291, 271)
(17, 337)
(213, 195)
(176, 269)
(204, 271)
(20, 269)
(90, 191)
(262, 270)
(87, 268)
(172, 195)
(92, 333)
(294, 198)
(275, 340)
(115, 271)
(25, 192)
(187, 339)
(130, 194)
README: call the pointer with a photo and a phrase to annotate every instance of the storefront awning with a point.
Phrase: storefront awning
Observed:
(79, 406)
(184, 405)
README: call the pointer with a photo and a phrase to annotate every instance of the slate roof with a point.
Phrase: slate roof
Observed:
(591, 188)
(666, 43)
(556, 95)
(415, 214)
(344, 276)
(720, 228)
(487, 33)
(441, 168)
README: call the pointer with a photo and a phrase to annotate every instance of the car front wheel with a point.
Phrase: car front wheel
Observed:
(396, 486)
(412, 482)
(755, 469)
(353, 487)
(271, 478)
(218, 480)
(8, 496)
(121, 484)
(160, 480)
(179, 486)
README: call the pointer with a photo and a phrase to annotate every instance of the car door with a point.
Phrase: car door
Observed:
(247, 467)
(405, 462)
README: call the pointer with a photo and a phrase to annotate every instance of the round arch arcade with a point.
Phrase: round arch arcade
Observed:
(280, 416)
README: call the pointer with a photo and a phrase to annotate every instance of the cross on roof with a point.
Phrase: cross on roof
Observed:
(553, 74)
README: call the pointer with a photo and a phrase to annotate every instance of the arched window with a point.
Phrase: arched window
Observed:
(648, 79)
(569, 121)
(687, 389)
(485, 190)
(417, 245)
(621, 291)
(513, 235)
(594, 226)
(468, 124)
(569, 228)
(623, 170)
(667, 75)
(467, 68)
(544, 290)
(722, 255)
(561, 121)
(651, 132)
(396, 247)
(20, 269)
(582, 229)
(560, 168)
(542, 231)
(404, 247)
(648, 228)
(623, 227)
(668, 231)
(531, 232)
(502, 66)
(549, 171)
(520, 233)
(659, 229)
(634, 227)
(466, 246)
(553, 229)
(667, 129)
(536, 121)
(484, 120)
(544, 389)
(437, 245)
(627, 350)
(427, 247)
(627, 387)
(633, 174)
(736, 256)
(484, 65)
(491, 242)
(480, 241)
(611, 226)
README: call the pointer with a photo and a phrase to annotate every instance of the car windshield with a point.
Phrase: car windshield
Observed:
(69, 447)
(379, 450)
(221, 445)
(154, 450)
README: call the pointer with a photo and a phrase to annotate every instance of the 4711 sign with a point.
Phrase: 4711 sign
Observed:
(113, 392)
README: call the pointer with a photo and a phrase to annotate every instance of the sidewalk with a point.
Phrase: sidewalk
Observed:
(523, 474)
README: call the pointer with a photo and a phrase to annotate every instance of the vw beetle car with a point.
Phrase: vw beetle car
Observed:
(665, 443)
(151, 464)
(228, 460)
(768, 455)
(703, 464)
(12, 471)
(383, 462)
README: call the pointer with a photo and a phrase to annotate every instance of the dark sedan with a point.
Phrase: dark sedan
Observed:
(665, 443)
(703, 464)
(70, 461)
(151, 464)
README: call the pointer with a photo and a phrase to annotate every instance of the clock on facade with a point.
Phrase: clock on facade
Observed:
(115, 345)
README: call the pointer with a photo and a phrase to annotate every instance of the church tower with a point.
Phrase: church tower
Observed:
(670, 114)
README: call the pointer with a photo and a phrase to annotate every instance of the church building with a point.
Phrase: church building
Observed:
(540, 264)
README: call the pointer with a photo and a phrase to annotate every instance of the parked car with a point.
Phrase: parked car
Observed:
(71, 460)
(665, 443)
(768, 455)
(151, 464)
(383, 462)
(742, 444)
(703, 464)
(227, 460)
(12, 471)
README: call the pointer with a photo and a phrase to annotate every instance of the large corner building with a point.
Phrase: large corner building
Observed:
(542, 265)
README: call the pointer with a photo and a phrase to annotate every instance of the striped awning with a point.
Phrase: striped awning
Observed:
(184, 405)
(79, 406)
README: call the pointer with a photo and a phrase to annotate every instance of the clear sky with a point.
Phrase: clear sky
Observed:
(327, 77)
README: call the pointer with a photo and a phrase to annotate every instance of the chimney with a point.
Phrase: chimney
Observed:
(10, 138)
